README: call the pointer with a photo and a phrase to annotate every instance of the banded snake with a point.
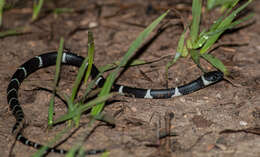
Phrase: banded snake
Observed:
(68, 58)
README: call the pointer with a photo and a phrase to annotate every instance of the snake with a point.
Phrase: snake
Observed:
(69, 58)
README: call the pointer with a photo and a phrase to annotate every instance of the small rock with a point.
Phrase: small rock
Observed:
(92, 24)
(218, 96)
(243, 123)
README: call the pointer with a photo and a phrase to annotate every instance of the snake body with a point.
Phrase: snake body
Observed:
(68, 58)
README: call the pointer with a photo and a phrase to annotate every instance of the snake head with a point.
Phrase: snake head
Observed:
(214, 76)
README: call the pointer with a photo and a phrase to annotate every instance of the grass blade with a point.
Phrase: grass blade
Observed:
(83, 108)
(133, 47)
(78, 80)
(215, 62)
(87, 64)
(196, 13)
(180, 52)
(90, 88)
(91, 50)
(195, 56)
(42, 151)
(15, 31)
(72, 106)
(213, 3)
(232, 25)
(181, 47)
(2, 4)
(37, 5)
(223, 24)
(84, 68)
(112, 66)
(56, 79)
(63, 10)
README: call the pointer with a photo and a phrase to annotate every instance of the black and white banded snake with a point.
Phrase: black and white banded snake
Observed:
(68, 58)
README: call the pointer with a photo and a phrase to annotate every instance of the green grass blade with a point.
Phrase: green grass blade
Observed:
(196, 13)
(91, 51)
(78, 80)
(224, 24)
(233, 3)
(180, 52)
(135, 62)
(210, 41)
(213, 29)
(181, 46)
(12, 32)
(85, 67)
(213, 3)
(89, 88)
(133, 47)
(203, 37)
(51, 111)
(77, 149)
(169, 64)
(195, 56)
(87, 64)
(72, 106)
(63, 10)
(105, 90)
(42, 151)
(37, 8)
(216, 24)
(105, 154)
(72, 152)
(9, 33)
(56, 79)
(2, 4)
(112, 66)
(215, 62)
(81, 152)
(83, 108)
(232, 16)
(232, 25)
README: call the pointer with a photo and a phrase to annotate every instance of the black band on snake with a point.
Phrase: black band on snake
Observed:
(68, 58)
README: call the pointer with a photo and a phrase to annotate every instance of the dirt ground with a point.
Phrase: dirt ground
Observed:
(198, 118)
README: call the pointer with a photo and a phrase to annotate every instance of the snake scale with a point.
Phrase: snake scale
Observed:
(69, 58)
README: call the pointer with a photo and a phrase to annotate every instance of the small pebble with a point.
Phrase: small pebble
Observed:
(182, 100)
(243, 123)
(218, 96)
(133, 109)
(221, 146)
(258, 47)
(92, 24)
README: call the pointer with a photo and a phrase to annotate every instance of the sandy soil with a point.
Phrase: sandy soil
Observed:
(199, 117)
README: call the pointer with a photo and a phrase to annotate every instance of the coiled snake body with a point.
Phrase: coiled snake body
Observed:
(68, 58)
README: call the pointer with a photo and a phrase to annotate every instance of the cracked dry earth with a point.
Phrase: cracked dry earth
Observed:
(198, 118)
